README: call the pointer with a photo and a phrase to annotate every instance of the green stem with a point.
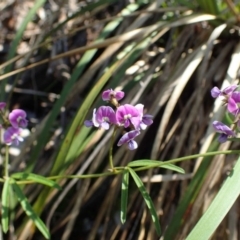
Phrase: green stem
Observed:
(6, 174)
(119, 170)
(188, 158)
(73, 176)
(111, 150)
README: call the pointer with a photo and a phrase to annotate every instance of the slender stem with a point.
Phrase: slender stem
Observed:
(119, 170)
(111, 150)
(189, 158)
(72, 176)
(6, 162)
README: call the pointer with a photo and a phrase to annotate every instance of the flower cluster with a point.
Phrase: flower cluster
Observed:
(129, 117)
(231, 98)
(13, 125)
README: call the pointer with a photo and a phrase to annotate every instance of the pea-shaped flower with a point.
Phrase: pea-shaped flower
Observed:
(146, 119)
(127, 115)
(129, 139)
(224, 130)
(216, 92)
(12, 135)
(109, 94)
(103, 117)
(17, 118)
(2, 105)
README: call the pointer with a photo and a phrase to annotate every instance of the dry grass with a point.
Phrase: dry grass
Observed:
(164, 56)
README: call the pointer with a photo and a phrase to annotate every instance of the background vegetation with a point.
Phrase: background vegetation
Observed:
(56, 58)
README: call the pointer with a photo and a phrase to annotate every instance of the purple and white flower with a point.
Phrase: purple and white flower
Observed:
(17, 118)
(12, 135)
(103, 117)
(216, 92)
(146, 119)
(2, 105)
(127, 115)
(233, 102)
(129, 139)
(109, 94)
(224, 130)
(93, 122)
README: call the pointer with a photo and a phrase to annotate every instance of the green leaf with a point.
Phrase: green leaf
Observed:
(147, 200)
(124, 195)
(144, 162)
(155, 163)
(173, 167)
(5, 205)
(220, 206)
(35, 178)
(29, 211)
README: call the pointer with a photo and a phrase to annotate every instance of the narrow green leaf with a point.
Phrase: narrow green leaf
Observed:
(5, 205)
(124, 195)
(155, 163)
(220, 206)
(144, 162)
(173, 167)
(35, 178)
(29, 211)
(147, 200)
(180, 217)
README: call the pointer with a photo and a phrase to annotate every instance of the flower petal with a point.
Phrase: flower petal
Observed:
(2, 105)
(215, 92)
(108, 94)
(232, 106)
(88, 123)
(127, 137)
(222, 138)
(132, 145)
(230, 89)
(222, 128)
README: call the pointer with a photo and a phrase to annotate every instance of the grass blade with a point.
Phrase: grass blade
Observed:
(219, 207)
(5, 205)
(124, 195)
(184, 207)
(147, 200)
(29, 211)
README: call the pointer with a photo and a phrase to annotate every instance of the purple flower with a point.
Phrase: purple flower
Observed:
(224, 130)
(232, 106)
(109, 94)
(2, 105)
(12, 135)
(127, 114)
(146, 119)
(129, 139)
(103, 117)
(233, 102)
(93, 122)
(18, 118)
(216, 92)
